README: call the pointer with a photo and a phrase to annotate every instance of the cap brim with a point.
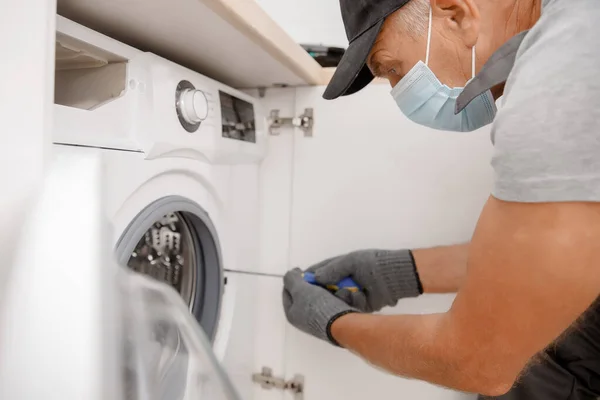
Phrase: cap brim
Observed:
(352, 73)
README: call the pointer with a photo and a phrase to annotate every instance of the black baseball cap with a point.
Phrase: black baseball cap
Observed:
(363, 20)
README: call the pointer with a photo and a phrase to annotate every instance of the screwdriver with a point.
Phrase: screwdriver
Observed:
(346, 283)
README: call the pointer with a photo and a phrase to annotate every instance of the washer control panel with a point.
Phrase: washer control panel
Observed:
(238, 120)
(145, 103)
(220, 124)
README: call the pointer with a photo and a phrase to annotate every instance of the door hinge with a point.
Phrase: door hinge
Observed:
(304, 122)
(267, 381)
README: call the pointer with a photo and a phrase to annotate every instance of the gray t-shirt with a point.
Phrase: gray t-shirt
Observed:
(547, 132)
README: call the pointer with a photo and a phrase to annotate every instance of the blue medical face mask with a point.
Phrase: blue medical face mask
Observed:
(425, 100)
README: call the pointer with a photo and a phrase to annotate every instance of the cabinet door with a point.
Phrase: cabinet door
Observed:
(276, 186)
(254, 328)
(370, 178)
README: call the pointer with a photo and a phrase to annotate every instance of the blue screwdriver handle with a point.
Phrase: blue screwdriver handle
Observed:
(346, 283)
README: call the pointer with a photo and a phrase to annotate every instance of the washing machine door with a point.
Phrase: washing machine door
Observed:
(167, 355)
(76, 326)
(174, 241)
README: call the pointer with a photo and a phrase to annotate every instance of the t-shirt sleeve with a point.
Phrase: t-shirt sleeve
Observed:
(547, 133)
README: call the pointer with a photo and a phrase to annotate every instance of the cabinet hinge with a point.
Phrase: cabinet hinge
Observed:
(304, 122)
(267, 381)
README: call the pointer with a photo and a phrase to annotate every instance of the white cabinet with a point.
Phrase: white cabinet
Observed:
(276, 187)
(255, 332)
(368, 177)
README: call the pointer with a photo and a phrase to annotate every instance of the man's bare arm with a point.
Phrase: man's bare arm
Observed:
(532, 271)
(442, 269)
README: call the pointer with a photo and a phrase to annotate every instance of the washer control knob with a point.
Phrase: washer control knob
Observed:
(193, 106)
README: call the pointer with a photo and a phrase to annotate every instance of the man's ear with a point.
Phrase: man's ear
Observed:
(461, 17)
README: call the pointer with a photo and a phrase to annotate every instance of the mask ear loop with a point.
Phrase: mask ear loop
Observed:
(429, 35)
(473, 62)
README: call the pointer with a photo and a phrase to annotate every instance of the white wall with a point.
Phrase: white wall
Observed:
(309, 21)
(26, 94)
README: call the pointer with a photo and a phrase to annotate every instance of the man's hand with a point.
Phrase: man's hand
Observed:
(532, 271)
(311, 308)
(385, 276)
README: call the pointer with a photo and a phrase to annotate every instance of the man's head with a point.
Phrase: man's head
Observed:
(388, 38)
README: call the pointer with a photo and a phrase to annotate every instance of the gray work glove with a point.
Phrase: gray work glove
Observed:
(385, 276)
(311, 308)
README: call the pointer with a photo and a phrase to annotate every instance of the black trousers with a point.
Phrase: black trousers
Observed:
(570, 369)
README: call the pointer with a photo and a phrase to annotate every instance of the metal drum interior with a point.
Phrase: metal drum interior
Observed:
(167, 253)
(174, 241)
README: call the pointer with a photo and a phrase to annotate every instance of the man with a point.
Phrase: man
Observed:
(526, 321)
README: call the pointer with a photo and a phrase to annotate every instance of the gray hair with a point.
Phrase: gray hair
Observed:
(413, 18)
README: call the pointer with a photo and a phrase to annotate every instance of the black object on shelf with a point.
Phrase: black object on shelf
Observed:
(326, 56)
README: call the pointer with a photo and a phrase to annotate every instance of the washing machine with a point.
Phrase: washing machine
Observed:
(78, 325)
(181, 153)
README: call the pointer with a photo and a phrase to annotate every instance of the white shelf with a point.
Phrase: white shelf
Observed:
(233, 41)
